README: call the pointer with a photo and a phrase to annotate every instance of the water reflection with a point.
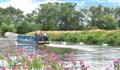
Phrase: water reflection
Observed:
(98, 59)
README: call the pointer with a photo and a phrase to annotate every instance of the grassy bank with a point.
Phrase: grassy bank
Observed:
(96, 37)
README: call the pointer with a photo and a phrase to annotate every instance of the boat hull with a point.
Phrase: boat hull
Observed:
(29, 43)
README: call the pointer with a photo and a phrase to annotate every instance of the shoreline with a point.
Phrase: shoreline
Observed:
(90, 37)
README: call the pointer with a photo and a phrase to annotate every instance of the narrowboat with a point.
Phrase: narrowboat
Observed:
(30, 43)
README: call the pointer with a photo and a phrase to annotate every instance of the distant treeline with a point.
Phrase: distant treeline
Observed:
(59, 16)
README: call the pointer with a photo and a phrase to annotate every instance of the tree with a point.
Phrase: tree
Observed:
(69, 17)
(10, 17)
(117, 14)
(4, 27)
(48, 16)
(107, 21)
(84, 19)
(54, 16)
(103, 17)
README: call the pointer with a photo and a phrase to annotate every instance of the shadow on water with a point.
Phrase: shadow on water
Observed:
(57, 50)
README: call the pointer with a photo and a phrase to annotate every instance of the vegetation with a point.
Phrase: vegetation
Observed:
(60, 51)
(64, 16)
(19, 60)
(59, 16)
(97, 37)
(116, 64)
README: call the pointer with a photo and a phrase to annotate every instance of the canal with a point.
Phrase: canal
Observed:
(99, 58)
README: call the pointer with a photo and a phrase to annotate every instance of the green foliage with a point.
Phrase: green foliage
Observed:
(98, 38)
(103, 17)
(54, 16)
(27, 27)
(117, 14)
(1, 56)
(95, 38)
(59, 16)
(7, 28)
(36, 63)
(113, 38)
(106, 21)
(60, 51)
(23, 28)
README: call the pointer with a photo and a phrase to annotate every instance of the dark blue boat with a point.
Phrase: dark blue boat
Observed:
(25, 41)
(32, 38)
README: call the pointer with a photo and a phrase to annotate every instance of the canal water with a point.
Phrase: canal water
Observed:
(99, 58)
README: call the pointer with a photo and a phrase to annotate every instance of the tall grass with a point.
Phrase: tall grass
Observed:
(89, 37)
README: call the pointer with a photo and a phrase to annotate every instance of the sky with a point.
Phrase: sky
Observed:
(27, 6)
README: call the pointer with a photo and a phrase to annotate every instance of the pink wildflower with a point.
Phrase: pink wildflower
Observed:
(116, 61)
(72, 60)
(66, 67)
(71, 53)
(66, 55)
(19, 51)
(6, 52)
(53, 57)
(62, 62)
(25, 67)
(31, 55)
(108, 67)
(83, 66)
(81, 62)
(3, 68)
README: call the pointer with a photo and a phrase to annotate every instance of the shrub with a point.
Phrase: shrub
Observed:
(88, 37)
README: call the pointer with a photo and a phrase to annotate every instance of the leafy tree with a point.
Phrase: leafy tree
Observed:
(59, 16)
(12, 15)
(7, 28)
(69, 17)
(11, 18)
(54, 16)
(24, 27)
(107, 21)
(117, 14)
(102, 17)
(48, 16)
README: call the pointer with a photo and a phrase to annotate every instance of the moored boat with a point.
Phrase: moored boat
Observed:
(29, 43)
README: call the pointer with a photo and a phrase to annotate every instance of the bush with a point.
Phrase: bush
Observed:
(88, 37)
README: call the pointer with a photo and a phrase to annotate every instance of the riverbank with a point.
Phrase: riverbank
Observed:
(91, 37)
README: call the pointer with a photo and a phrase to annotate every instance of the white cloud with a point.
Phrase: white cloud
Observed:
(80, 5)
(117, 2)
(51, 1)
(113, 1)
(25, 5)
